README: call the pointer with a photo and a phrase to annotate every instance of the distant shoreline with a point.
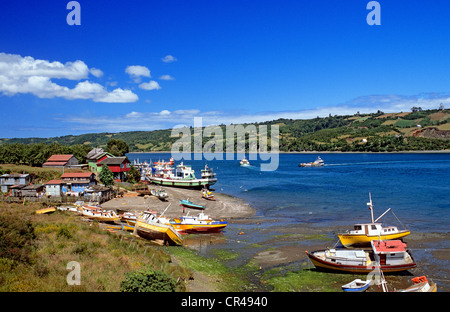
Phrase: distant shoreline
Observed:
(323, 152)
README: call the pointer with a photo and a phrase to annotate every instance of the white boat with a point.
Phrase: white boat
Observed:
(317, 163)
(364, 233)
(421, 284)
(99, 214)
(388, 256)
(244, 162)
(356, 285)
(184, 176)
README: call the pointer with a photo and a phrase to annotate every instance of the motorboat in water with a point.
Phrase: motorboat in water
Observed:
(317, 163)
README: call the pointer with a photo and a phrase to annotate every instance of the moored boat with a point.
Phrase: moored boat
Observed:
(207, 194)
(151, 227)
(198, 224)
(356, 285)
(184, 176)
(160, 194)
(185, 203)
(388, 256)
(364, 233)
(99, 214)
(421, 284)
(317, 163)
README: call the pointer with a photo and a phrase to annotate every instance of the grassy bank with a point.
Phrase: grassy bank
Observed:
(35, 250)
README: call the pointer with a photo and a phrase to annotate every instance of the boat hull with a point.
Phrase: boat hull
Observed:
(363, 239)
(154, 231)
(213, 227)
(194, 183)
(358, 269)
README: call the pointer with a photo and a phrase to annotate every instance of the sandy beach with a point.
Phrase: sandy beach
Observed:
(224, 207)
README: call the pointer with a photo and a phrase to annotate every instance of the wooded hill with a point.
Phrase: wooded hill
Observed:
(378, 132)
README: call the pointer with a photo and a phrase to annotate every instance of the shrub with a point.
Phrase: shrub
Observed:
(147, 280)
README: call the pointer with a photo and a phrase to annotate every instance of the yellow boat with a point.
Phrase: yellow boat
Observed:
(199, 224)
(364, 233)
(46, 210)
(149, 226)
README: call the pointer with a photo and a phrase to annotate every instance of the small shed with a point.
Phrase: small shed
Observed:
(34, 190)
(53, 188)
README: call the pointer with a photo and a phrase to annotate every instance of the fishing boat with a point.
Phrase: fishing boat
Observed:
(198, 224)
(317, 163)
(356, 285)
(99, 214)
(421, 284)
(160, 194)
(207, 194)
(151, 227)
(129, 217)
(244, 162)
(185, 203)
(46, 210)
(388, 256)
(184, 176)
(364, 233)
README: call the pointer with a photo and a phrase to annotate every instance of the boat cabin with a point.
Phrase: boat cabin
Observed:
(373, 229)
(391, 252)
(184, 172)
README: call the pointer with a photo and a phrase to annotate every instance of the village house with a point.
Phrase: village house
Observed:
(32, 190)
(61, 161)
(9, 180)
(94, 156)
(53, 188)
(119, 166)
(74, 183)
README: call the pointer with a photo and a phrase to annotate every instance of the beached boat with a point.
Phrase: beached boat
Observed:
(160, 194)
(244, 162)
(356, 285)
(185, 203)
(198, 224)
(184, 176)
(151, 227)
(364, 233)
(129, 217)
(99, 214)
(207, 194)
(46, 210)
(317, 163)
(421, 284)
(388, 256)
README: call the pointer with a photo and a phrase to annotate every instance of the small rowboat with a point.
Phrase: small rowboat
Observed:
(46, 210)
(356, 285)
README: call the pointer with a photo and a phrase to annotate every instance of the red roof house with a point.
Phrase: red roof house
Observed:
(60, 161)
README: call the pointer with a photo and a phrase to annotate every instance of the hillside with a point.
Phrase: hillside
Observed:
(377, 132)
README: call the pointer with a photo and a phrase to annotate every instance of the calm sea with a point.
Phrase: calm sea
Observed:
(415, 185)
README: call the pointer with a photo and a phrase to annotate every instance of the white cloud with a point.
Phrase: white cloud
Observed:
(152, 85)
(137, 71)
(169, 59)
(96, 72)
(166, 77)
(166, 119)
(28, 75)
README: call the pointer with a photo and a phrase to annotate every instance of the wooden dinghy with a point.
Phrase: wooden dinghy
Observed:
(150, 227)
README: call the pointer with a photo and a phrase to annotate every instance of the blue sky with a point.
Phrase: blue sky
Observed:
(145, 65)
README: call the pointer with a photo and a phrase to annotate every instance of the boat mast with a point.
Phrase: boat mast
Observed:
(370, 204)
(382, 215)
